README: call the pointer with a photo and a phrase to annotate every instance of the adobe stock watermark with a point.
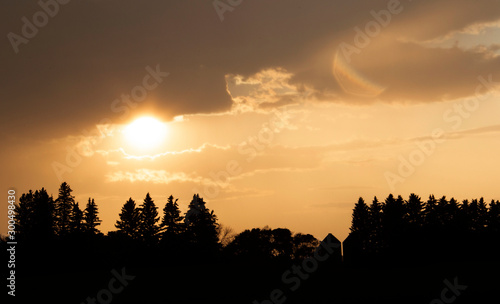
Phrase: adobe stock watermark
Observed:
(115, 286)
(29, 29)
(250, 148)
(450, 293)
(455, 115)
(372, 29)
(221, 7)
(11, 242)
(294, 276)
(124, 104)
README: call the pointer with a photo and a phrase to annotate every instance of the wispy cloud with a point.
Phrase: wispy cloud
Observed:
(166, 153)
(151, 176)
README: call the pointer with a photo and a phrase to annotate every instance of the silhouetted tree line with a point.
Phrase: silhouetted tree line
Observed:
(413, 231)
(143, 234)
(169, 251)
(39, 217)
(393, 231)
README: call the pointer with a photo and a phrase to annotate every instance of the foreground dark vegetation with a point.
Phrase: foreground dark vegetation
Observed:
(398, 251)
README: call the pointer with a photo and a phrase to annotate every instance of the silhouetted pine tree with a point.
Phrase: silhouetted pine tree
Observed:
(441, 212)
(473, 215)
(171, 223)
(394, 226)
(414, 207)
(430, 213)
(35, 215)
(452, 210)
(64, 205)
(75, 220)
(494, 217)
(201, 225)
(24, 215)
(148, 226)
(91, 217)
(482, 216)
(128, 224)
(360, 218)
(375, 225)
(394, 212)
(463, 217)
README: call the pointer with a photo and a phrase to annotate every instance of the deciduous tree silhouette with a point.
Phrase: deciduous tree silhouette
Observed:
(282, 243)
(254, 244)
(304, 246)
(272, 244)
(226, 235)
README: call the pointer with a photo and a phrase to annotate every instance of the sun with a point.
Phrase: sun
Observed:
(145, 133)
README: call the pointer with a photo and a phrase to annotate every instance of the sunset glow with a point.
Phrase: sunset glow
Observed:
(231, 151)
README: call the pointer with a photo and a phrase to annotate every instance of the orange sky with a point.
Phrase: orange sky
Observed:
(278, 114)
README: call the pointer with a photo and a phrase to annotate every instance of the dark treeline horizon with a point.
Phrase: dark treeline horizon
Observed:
(145, 227)
(416, 231)
(424, 241)
(385, 230)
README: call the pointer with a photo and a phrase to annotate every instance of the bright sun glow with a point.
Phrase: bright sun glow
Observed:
(145, 133)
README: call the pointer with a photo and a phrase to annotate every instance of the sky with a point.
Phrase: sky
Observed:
(279, 113)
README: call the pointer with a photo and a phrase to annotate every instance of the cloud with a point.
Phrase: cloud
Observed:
(107, 46)
(126, 155)
(493, 129)
(150, 176)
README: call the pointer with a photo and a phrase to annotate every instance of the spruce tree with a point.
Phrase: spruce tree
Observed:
(482, 216)
(414, 207)
(64, 206)
(473, 215)
(494, 217)
(148, 226)
(24, 215)
(360, 218)
(75, 219)
(171, 223)
(375, 225)
(128, 224)
(91, 217)
(430, 213)
(35, 215)
(201, 225)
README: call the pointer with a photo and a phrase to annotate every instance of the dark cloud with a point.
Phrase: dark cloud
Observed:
(91, 52)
